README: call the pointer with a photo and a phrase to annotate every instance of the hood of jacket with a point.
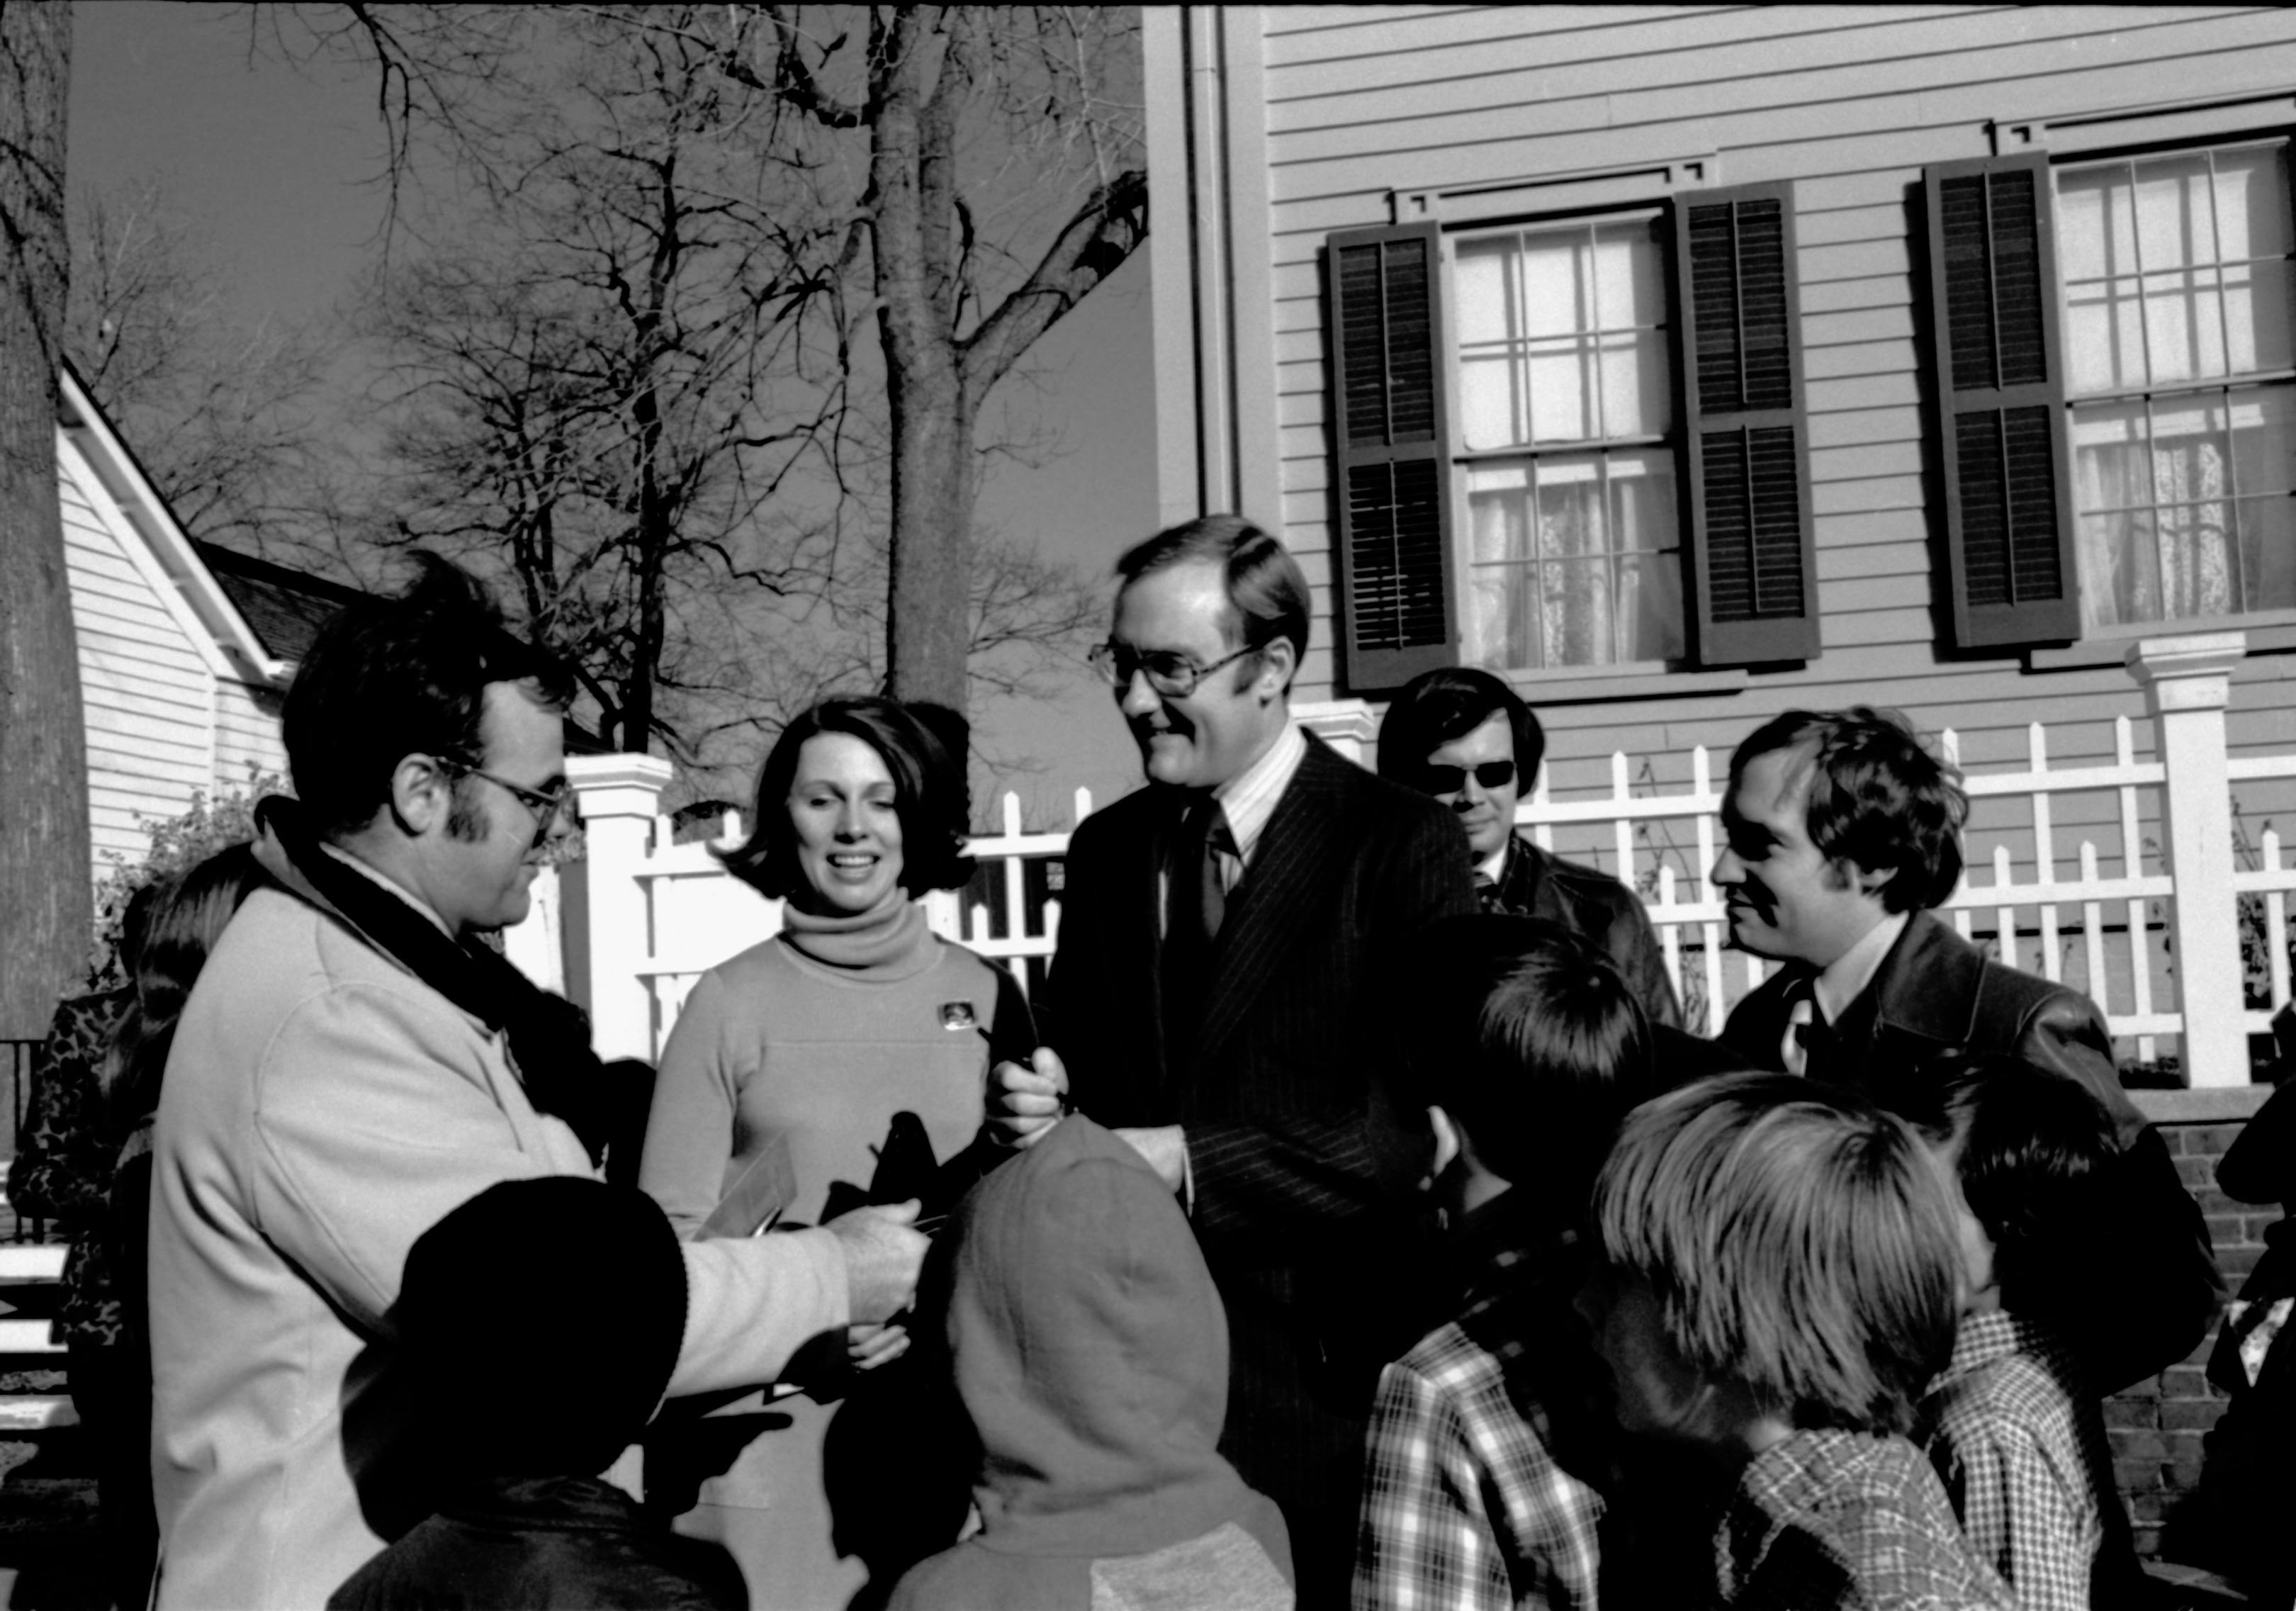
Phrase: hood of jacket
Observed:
(1091, 1351)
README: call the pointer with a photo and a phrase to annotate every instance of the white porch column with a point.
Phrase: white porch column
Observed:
(2187, 683)
(608, 912)
(1344, 724)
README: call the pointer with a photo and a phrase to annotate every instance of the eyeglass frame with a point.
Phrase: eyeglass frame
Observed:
(547, 808)
(1429, 769)
(1107, 661)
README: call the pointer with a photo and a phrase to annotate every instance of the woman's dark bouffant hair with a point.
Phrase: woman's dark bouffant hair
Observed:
(183, 919)
(929, 793)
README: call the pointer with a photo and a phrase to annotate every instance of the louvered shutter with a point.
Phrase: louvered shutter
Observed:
(1753, 563)
(1390, 424)
(1993, 323)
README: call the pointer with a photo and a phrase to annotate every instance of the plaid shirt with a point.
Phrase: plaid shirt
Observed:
(2021, 1449)
(1847, 1520)
(1467, 1505)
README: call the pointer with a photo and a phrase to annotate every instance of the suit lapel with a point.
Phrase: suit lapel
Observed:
(1300, 852)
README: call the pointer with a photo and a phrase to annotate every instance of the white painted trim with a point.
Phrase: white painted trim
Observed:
(2227, 114)
(1256, 433)
(1171, 273)
(182, 571)
(135, 546)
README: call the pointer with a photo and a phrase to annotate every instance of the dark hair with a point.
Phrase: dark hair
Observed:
(487, 1301)
(929, 796)
(186, 916)
(2034, 1146)
(390, 678)
(1533, 1044)
(1451, 701)
(1877, 798)
(1799, 1243)
(1266, 586)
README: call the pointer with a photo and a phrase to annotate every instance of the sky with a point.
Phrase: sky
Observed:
(281, 164)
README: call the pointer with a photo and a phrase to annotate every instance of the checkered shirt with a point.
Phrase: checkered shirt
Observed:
(1846, 1519)
(1467, 1505)
(2021, 1447)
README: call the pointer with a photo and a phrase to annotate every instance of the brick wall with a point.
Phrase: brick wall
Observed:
(2156, 1428)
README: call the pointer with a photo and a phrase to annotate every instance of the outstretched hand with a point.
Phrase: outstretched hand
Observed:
(1024, 1104)
(883, 1252)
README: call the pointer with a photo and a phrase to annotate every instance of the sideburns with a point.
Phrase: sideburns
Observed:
(463, 821)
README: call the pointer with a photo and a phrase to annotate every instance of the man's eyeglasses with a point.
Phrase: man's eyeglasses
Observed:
(547, 807)
(1435, 779)
(1169, 672)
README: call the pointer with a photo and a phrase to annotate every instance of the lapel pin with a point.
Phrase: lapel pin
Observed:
(958, 1015)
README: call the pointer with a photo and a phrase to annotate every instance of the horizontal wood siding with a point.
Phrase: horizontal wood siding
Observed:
(148, 693)
(247, 736)
(1848, 103)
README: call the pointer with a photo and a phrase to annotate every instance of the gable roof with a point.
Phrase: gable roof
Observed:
(287, 608)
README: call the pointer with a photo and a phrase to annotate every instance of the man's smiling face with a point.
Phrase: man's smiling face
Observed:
(1200, 739)
(1785, 899)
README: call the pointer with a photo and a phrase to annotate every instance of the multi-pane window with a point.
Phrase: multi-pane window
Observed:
(1565, 416)
(2182, 381)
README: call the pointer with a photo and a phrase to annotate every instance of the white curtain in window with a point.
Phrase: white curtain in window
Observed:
(1574, 560)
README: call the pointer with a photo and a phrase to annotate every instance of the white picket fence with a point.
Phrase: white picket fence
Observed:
(642, 918)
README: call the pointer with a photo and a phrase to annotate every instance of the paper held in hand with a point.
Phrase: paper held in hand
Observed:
(759, 1197)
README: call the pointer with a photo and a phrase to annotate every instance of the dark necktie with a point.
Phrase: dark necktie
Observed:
(1196, 904)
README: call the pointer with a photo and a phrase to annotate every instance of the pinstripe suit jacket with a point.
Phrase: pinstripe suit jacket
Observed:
(1299, 1159)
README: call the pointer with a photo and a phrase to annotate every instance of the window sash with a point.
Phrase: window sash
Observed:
(2197, 523)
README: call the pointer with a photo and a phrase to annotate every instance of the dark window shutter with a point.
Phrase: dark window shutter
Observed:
(1752, 560)
(1993, 321)
(1391, 430)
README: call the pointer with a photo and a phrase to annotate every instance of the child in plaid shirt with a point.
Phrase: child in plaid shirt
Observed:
(1778, 1280)
(1488, 1440)
(2014, 1431)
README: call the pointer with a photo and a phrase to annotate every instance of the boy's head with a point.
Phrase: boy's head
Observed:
(2028, 1147)
(1530, 1052)
(522, 1365)
(1771, 1253)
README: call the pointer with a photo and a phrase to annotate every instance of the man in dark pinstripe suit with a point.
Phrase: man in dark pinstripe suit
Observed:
(1223, 997)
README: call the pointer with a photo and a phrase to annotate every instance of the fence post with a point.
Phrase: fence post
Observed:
(2187, 683)
(607, 913)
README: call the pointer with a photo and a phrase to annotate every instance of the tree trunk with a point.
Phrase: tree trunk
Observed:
(912, 172)
(45, 921)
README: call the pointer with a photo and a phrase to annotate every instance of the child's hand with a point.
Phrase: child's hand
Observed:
(867, 1347)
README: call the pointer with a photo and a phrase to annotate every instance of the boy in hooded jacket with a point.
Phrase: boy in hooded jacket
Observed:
(1090, 1349)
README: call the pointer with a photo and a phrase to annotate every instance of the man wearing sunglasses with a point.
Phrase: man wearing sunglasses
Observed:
(1463, 736)
(353, 1063)
(1223, 997)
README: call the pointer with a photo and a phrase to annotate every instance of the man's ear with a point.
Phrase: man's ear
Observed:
(421, 795)
(1278, 660)
(1446, 1138)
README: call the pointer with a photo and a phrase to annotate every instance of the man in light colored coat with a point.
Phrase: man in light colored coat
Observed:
(352, 1065)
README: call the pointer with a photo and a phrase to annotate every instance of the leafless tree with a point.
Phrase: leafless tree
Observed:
(219, 412)
(45, 890)
(967, 174)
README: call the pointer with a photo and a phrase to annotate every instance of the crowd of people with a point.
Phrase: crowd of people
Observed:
(1352, 1218)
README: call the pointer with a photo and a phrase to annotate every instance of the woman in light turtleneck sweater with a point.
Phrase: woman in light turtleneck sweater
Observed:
(812, 1042)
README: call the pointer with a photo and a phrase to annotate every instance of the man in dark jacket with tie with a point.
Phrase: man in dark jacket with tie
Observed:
(1222, 998)
(1843, 832)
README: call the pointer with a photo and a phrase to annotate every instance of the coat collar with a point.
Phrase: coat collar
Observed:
(1927, 986)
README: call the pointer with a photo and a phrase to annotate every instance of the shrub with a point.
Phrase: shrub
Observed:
(178, 843)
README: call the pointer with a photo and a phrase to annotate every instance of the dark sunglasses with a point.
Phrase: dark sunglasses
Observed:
(1435, 779)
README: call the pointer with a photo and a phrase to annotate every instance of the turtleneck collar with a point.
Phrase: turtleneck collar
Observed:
(888, 941)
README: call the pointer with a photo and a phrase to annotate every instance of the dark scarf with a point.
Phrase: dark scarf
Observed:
(549, 1036)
